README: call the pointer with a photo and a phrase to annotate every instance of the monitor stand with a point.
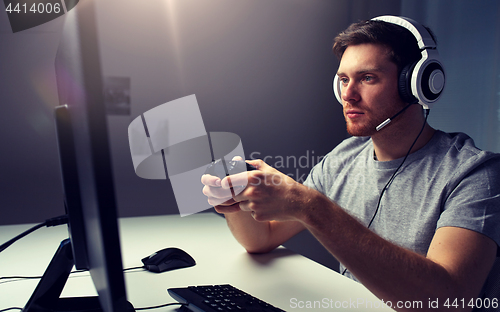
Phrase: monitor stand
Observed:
(46, 297)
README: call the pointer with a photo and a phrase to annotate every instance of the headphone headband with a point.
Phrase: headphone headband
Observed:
(424, 38)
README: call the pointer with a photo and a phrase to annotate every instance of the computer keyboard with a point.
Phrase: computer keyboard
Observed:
(219, 298)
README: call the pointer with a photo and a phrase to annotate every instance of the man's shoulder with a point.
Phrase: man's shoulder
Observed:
(459, 151)
(459, 141)
(458, 144)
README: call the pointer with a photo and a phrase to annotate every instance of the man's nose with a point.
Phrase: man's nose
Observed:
(350, 92)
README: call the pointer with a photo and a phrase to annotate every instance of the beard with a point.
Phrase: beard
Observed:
(368, 126)
(366, 129)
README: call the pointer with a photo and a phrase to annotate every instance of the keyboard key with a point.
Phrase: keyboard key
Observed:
(210, 298)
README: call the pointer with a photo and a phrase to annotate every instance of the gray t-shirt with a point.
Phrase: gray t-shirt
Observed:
(448, 182)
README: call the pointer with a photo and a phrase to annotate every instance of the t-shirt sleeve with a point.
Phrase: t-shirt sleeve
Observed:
(314, 179)
(474, 202)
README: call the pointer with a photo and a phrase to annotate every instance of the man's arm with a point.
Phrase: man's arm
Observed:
(456, 266)
(260, 237)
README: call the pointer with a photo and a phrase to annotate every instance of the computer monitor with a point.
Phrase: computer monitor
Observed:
(84, 150)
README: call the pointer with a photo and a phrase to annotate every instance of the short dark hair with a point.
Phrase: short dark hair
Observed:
(402, 44)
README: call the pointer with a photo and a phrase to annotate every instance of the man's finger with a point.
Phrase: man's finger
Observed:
(210, 180)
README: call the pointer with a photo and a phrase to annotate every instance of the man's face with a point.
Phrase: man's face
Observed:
(369, 88)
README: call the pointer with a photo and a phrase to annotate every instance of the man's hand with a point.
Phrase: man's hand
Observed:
(269, 194)
(257, 195)
(222, 198)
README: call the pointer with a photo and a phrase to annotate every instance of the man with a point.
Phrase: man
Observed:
(430, 233)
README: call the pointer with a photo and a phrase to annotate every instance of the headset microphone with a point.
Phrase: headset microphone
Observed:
(388, 120)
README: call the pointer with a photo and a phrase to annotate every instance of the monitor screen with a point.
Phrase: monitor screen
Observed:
(86, 166)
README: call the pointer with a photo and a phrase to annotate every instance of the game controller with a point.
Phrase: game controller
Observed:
(216, 168)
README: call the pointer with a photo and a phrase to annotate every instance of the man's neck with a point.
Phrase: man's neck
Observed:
(395, 141)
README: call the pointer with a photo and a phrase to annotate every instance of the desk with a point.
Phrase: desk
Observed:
(282, 277)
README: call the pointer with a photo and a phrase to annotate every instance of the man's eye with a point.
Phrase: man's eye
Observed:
(343, 80)
(368, 78)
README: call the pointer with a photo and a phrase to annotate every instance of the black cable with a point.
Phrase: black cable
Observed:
(20, 277)
(159, 306)
(54, 222)
(394, 174)
(48, 223)
(135, 309)
(17, 278)
(18, 237)
(57, 221)
(396, 171)
(134, 268)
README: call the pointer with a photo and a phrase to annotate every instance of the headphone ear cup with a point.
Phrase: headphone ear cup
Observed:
(337, 88)
(432, 82)
(404, 84)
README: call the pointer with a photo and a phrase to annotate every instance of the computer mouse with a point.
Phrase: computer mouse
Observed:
(168, 259)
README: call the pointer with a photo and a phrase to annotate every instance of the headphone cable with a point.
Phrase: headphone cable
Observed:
(395, 172)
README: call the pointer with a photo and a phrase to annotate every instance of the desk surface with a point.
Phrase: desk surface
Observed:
(282, 278)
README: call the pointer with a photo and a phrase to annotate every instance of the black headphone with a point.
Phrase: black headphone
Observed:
(421, 82)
